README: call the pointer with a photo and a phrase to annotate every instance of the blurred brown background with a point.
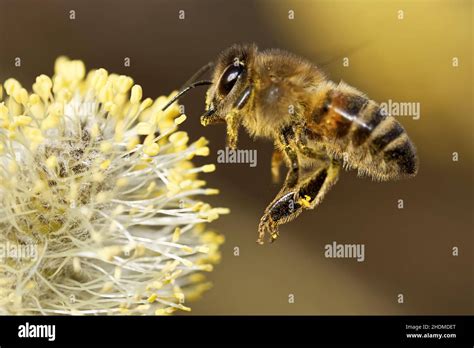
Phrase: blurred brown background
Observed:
(407, 251)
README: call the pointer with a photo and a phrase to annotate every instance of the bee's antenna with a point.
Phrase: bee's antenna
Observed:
(202, 70)
(185, 90)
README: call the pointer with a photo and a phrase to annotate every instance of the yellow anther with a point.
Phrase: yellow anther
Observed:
(70, 70)
(76, 264)
(139, 250)
(156, 285)
(20, 96)
(179, 295)
(107, 287)
(185, 183)
(222, 211)
(99, 79)
(123, 83)
(11, 86)
(33, 134)
(152, 298)
(102, 197)
(149, 139)
(106, 93)
(146, 104)
(136, 94)
(37, 110)
(118, 273)
(202, 151)
(111, 107)
(73, 191)
(13, 167)
(119, 209)
(151, 150)
(203, 249)
(22, 120)
(34, 99)
(208, 168)
(179, 138)
(145, 128)
(56, 109)
(184, 308)
(4, 120)
(187, 262)
(180, 119)
(106, 146)
(39, 186)
(30, 285)
(198, 183)
(52, 121)
(42, 86)
(151, 187)
(95, 131)
(64, 95)
(197, 278)
(176, 234)
(105, 164)
(187, 249)
(122, 182)
(212, 191)
(206, 267)
(52, 162)
(133, 143)
(109, 252)
(98, 177)
(119, 130)
(143, 307)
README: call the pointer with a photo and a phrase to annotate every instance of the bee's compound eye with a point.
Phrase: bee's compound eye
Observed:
(229, 78)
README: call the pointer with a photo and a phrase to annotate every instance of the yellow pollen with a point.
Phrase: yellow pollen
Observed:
(208, 168)
(106, 164)
(180, 119)
(203, 151)
(151, 150)
(136, 94)
(122, 182)
(52, 162)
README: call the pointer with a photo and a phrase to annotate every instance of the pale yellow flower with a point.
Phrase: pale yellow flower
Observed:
(96, 183)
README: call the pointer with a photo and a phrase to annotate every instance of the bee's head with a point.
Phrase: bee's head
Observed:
(232, 74)
(231, 77)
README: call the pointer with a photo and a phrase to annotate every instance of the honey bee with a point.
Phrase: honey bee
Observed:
(316, 125)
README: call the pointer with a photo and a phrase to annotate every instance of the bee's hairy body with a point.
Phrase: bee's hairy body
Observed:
(317, 126)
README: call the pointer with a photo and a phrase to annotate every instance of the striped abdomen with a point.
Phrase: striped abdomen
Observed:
(357, 130)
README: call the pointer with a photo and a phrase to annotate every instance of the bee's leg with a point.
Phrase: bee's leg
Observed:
(277, 158)
(233, 117)
(282, 209)
(210, 119)
(233, 122)
(304, 149)
(313, 189)
(286, 143)
(289, 203)
(284, 204)
(312, 153)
